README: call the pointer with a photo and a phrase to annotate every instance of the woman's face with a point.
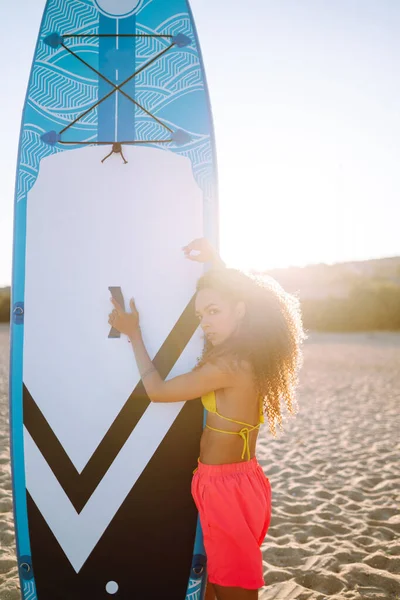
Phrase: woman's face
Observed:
(218, 318)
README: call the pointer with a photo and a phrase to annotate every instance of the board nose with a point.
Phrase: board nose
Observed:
(118, 8)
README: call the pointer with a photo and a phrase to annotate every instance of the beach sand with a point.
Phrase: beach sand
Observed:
(334, 472)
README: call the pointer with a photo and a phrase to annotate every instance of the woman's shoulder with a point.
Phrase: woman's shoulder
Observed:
(240, 369)
(242, 386)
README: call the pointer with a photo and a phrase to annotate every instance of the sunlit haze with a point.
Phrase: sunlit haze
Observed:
(305, 98)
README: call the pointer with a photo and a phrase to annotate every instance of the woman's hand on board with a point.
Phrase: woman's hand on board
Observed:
(126, 323)
(206, 252)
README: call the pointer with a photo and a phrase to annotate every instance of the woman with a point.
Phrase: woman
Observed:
(251, 358)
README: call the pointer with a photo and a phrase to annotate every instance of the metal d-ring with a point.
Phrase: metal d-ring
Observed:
(26, 566)
(198, 570)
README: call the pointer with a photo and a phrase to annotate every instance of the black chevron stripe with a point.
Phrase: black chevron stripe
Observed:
(80, 486)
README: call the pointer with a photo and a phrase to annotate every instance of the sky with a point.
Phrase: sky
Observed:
(305, 97)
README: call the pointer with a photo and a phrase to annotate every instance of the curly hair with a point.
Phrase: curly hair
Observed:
(269, 337)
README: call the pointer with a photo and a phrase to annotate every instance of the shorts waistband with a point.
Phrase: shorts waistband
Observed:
(226, 469)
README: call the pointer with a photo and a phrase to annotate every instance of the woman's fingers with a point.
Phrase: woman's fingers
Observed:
(193, 256)
(197, 245)
(193, 245)
(203, 247)
(188, 250)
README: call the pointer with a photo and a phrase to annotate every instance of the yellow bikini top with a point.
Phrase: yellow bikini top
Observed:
(210, 403)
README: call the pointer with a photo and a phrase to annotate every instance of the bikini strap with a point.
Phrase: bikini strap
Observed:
(244, 434)
(197, 468)
(237, 422)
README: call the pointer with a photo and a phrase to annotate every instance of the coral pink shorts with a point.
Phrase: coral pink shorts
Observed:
(234, 504)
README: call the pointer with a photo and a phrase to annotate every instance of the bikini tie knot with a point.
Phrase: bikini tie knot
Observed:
(244, 434)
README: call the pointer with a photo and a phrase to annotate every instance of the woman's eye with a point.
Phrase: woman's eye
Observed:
(211, 311)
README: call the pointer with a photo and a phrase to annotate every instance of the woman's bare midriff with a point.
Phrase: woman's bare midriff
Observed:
(220, 449)
(239, 403)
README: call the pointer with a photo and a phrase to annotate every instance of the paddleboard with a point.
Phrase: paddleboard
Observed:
(116, 172)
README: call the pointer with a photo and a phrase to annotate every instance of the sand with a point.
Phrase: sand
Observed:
(335, 476)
